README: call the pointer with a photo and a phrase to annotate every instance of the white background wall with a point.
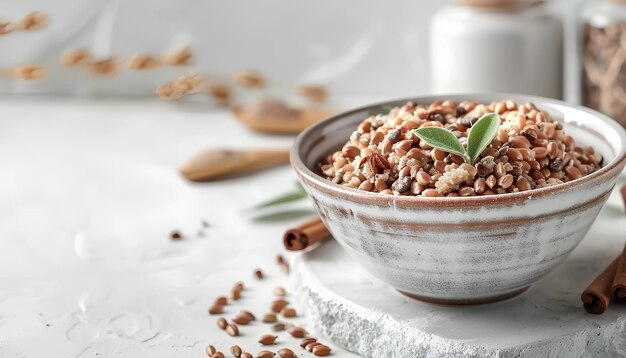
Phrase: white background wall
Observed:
(357, 48)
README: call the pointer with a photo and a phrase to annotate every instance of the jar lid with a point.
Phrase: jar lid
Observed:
(503, 4)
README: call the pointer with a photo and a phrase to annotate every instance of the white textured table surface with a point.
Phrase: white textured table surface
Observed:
(88, 196)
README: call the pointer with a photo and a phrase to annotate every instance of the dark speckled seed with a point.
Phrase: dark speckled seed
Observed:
(401, 185)
(394, 135)
(437, 117)
(556, 165)
(460, 110)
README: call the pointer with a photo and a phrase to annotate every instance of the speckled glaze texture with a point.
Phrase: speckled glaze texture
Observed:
(462, 250)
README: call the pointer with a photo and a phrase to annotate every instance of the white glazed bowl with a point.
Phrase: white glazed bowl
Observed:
(462, 250)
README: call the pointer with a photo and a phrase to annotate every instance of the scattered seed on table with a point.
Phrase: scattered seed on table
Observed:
(309, 347)
(280, 292)
(306, 341)
(277, 327)
(289, 312)
(267, 339)
(221, 300)
(216, 309)
(239, 286)
(210, 350)
(235, 294)
(175, 235)
(284, 267)
(280, 259)
(258, 274)
(205, 223)
(232, 329)
(246, 355)
(321, 350)
(218, 355)
(242, 320)
(265, 354)
(222, 323)
(286, 353)
(236, 351)
(248, 314)
(297, 332)
(278, 305)
(269, 318)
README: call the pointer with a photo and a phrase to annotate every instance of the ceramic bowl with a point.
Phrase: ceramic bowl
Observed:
(462, 250)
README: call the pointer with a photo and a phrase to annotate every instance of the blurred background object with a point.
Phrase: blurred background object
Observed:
(352, 49)
(604, 58)
(490, 46)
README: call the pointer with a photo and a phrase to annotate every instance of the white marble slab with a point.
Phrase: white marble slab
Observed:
(366, 316)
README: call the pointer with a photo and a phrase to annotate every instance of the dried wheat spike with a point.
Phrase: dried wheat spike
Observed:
(33, 20)
(181, 57)
(143, 62)
(249, 78)
(180, 87)
(220, 92)
(5, 27)
(170, 91)
(106, 67)
(29, 72)
(76, 57)
(315, 93)
(190, 83)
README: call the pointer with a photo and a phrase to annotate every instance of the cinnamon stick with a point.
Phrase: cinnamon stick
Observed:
(618, 290)
(305, 235)
(597, 297)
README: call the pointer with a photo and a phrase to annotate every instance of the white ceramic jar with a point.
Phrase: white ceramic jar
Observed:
(510, 46)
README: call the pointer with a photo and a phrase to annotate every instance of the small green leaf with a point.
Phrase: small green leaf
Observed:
(285, 198)
(441, 139)
(481, 135)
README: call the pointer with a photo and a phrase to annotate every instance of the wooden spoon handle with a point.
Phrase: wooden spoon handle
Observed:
(215, 163)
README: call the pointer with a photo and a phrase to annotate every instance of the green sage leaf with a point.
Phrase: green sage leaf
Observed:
(481, 135)
(296, 195)
(441, 139)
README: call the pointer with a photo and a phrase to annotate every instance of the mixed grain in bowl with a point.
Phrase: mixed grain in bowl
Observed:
(529, 151)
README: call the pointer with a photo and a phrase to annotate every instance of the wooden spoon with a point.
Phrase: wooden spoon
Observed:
(273, 116)
(217, 163)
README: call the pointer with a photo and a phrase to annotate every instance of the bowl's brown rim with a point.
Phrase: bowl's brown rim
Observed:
(610, 169)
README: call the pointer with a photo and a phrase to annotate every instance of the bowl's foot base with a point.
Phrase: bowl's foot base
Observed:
(464, 302)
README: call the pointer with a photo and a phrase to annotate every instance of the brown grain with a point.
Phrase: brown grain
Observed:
(321, 350)
(265, 354)
(221, 300)
(236, 351)
(232, 330)
(279, 326)
(222, 323)
(258, 274)
(216, 309)
(267, 339)
(289, 312)
(210, 350)
(297, 332)
(269, 318)
(286, 353)
(278, 305)
(306, 341)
